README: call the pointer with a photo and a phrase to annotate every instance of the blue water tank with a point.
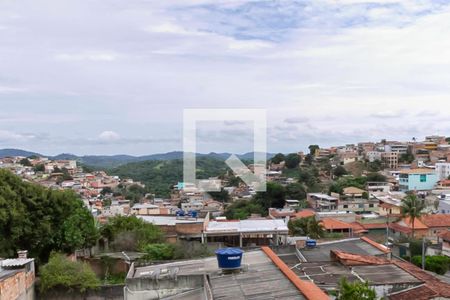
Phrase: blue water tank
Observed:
(193, 213)
(229, 258)
(180, 213)
(311, 243)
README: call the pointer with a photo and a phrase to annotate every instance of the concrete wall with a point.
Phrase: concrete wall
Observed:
(19, 286)
(112, 292)
(147, 289)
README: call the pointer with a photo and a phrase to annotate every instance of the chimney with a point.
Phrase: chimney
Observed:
(22, 253)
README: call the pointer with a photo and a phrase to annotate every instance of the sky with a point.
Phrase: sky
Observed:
(114, 76)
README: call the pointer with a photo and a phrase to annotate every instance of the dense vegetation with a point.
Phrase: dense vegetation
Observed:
(437, 264)
(41, 220)
(306, 227)
(60, 272)
(160, 176)
(355, 290)
(130, 233)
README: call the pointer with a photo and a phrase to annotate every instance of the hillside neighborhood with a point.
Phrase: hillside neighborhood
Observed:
(361, 205)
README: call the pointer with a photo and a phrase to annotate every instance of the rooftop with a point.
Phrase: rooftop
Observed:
(169, 220)
(250, 225)
(356, 246)
(439, 220)
(417, 171)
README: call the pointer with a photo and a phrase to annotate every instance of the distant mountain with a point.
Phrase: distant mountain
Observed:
(112, 161)
(16, 152)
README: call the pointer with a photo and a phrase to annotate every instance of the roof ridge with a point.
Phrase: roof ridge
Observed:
(307, 288)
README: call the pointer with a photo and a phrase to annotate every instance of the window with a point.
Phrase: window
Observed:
(423, 178)
(345, 206)
(370, 205)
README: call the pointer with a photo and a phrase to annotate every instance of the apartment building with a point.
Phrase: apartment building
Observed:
(417, 180)
(390, 159)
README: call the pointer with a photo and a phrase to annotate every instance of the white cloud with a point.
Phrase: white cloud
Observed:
(9, 136)
(88, 56)
(386, 114)
(109, 136)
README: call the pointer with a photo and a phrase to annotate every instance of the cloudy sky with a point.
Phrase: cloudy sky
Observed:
(113, 76)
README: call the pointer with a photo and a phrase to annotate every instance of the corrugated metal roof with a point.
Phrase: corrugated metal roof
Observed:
(16, 262)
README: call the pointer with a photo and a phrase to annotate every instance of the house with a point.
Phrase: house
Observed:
(390, 159)
(322, 202)
(17, 278)
(444, 204)
(417, 180)
(390, 204)
(445, 238)
(363, 260)
(436, 224)
(263, 275)
(384, 187)
(442, 170)
(337, 226)
(245, 233)
(353, 200)
(404, 228)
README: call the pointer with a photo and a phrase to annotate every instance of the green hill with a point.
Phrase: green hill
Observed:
(159, 176)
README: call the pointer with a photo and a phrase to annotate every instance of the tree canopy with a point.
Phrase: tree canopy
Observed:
(279, 157)
(292, 160)
(41, 220)
(355, 290)
(412, 207)
(131, 233)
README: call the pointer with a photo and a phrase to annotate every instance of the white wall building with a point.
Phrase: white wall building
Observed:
(442, 170)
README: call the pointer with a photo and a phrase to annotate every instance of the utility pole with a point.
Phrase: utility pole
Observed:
(423, 253)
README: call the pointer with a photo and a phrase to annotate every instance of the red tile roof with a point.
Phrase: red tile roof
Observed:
(330, 224)
(445, 235)
(358, 227)
(306, 213)
(375, 226)
(376, 245)
(417, 223)
(440, 288)
(422, 292)
(307, 288)
(439, 220)
(350, 259)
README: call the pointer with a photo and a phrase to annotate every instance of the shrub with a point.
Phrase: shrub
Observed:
(437, 264)
(61, 272)
(159, 251)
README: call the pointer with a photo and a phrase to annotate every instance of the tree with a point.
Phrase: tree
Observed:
(63, 273)
(274, 196)
(131, 233)
(308, 176)
(40, 219)
(312, 149)
(292, 160)
(306, 227)
(159, 251)
(339, 171)
(106, 190)
(436, 263)
(412, 207)
(355, 290)
(278, 158)
(39, 168)
(242, 209)
(295, 191)
(25, 162)
(221, 196)
(79, 231)
(376, 177)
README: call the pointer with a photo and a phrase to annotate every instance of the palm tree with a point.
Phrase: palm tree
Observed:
(412, 207)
